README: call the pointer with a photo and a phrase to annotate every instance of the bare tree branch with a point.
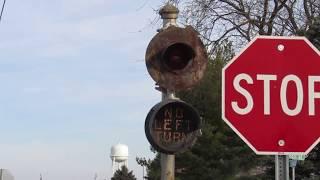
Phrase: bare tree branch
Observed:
(238, 21)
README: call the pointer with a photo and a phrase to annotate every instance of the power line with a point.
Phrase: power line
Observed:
(143, 5)
(4, 2)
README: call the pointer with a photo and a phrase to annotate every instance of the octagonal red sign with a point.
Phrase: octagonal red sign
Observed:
(271, 95)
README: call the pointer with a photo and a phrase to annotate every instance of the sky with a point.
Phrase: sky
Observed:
(74, 83)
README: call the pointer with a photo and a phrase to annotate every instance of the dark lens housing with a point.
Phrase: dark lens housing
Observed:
(177, 56)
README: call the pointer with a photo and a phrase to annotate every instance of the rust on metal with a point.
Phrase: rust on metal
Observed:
(179, 78)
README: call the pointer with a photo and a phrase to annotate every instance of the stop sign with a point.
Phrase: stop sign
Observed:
(271, 95)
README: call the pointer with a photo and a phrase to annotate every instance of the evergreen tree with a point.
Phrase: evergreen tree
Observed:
(123, 174)
(219, 153)
(309, 168)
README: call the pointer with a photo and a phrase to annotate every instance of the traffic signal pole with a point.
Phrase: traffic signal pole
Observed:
(167, 161)
(169, 15)
(176, 59)
(167, 166)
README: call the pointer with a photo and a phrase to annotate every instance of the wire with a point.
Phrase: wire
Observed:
(143, 5)
(4, 2)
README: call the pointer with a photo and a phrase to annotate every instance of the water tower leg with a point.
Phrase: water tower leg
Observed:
(113, 160)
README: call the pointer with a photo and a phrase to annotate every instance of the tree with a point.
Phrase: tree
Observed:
(238, 21)
(310, 167)
(123, 174)
(226, 25)
(152, 166)
(313, 33)
(219, 153)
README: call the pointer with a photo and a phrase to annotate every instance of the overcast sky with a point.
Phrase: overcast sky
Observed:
(74, 83)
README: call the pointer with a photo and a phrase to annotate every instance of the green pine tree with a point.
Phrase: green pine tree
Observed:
(219, 153)
(123, 174)
(309, 168)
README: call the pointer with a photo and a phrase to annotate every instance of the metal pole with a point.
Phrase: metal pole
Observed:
(293, 173)
(167, 166)
(293, 164)
(167, 160)
(281, 167)
(169, 14)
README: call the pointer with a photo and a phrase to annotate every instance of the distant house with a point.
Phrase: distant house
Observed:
(5, 175)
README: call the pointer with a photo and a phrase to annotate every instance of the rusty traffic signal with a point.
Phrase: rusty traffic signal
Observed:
(176, 58)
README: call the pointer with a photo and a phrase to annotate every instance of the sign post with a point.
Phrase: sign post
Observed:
(271, 97)
(293, 160)
(293, 164)
(281, 167)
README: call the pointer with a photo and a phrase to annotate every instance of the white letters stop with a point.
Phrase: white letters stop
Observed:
(267, 78)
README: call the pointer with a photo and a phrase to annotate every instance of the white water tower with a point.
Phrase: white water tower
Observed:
(119, 156)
